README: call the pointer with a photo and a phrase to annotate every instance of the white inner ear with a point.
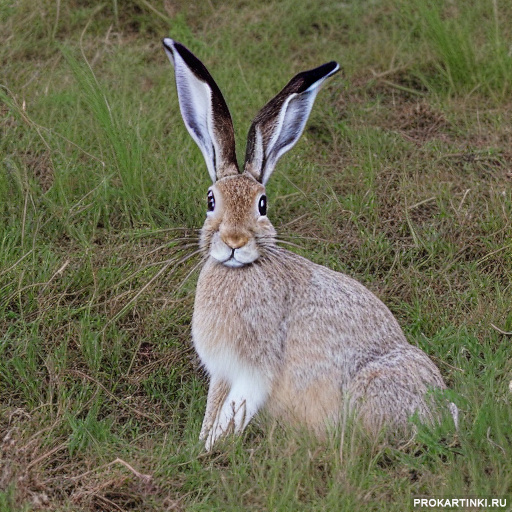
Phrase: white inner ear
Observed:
(257, 161)
(288, 129)
(290, 125)
(195, 100)
(273, 143)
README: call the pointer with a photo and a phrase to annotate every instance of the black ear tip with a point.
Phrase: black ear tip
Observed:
(330, 68)
(303, 81)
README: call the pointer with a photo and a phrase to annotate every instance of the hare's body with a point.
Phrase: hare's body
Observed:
(303, 354)
(273, 329)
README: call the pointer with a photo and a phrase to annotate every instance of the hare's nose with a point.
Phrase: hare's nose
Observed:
(234, 240)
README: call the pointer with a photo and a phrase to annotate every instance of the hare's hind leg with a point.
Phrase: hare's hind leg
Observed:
(388, 392)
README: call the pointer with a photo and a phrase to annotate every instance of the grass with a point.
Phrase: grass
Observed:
(402, 180)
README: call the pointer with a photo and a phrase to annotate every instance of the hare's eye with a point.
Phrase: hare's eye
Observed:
(262, 205)
(211, 201)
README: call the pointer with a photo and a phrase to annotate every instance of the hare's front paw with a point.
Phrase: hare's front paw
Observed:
(205, 430)
(231, 419)
(244, 400)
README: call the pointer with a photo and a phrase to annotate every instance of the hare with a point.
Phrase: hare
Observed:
(272, 329)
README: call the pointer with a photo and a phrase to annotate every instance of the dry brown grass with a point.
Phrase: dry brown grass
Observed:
(398, 185)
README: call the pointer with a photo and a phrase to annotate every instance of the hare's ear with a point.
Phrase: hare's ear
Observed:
(280, 123)
(204, 111)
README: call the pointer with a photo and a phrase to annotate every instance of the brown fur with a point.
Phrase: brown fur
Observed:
(317, 334)
(273, 329)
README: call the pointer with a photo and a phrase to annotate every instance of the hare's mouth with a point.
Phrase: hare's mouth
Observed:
(233, 257)
(238, 258)
(232, 262)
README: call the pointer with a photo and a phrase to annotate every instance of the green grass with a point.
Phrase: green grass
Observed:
(402, 180)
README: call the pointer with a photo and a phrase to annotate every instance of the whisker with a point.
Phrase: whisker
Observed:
(184, 258)
(152, 233)
(272, 251)
(264, 239)
(293, 221)
(279, 253)
(194, 268)
(168, 246)
(166, 265)
(174, 257)
(154, 264)
(174, 242)
(286, 242)
(314, 238)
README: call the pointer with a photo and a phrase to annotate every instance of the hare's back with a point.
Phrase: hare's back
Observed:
(337, 312)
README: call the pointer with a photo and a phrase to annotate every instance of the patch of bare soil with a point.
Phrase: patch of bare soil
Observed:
(40, 167)
(43, 475)
(419, 122)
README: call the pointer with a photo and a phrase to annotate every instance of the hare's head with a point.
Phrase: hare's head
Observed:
(237, 231)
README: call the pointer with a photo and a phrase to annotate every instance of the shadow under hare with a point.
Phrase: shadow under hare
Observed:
(272, 329)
